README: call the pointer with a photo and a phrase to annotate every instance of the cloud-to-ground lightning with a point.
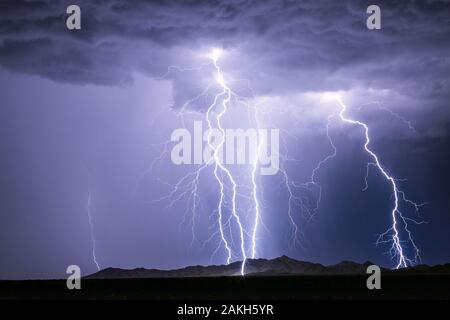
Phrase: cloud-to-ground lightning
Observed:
(255, 201)
(91, 225)
(393, 235)
(226, 93)
(91, 228)
(187, 186)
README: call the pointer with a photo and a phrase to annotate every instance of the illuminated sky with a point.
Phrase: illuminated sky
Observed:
(85, 111)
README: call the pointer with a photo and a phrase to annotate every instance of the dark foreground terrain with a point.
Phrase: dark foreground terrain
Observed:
(394, 286)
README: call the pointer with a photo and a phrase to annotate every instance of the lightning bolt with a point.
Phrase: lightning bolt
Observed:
(91, 226)
(255, 189)
(391, 236)
(226, 92)
(187, 186)
(293, 200)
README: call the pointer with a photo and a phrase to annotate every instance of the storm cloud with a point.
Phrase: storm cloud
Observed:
(280, 46)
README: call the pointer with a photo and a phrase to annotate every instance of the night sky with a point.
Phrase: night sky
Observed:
(85, 117)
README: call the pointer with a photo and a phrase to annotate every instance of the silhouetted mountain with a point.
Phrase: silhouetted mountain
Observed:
(258, 267)
(423, 268)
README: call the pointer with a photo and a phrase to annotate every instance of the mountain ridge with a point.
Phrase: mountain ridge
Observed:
(282, 265)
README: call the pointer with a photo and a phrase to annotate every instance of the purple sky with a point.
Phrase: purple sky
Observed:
(84, 112)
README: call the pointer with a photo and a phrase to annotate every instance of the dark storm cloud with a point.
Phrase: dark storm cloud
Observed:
(282, 46)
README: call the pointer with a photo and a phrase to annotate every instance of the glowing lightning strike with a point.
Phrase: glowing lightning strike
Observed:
(89, 214)
(91, 227)
(187, 186)
(255, 191)
(226, 91)
(397, 250)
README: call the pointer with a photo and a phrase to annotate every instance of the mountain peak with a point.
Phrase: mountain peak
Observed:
(285, 258)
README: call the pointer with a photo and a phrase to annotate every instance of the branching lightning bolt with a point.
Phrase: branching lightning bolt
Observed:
(392, 236)
(187, 186)
(298, 192)
(217, 163)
